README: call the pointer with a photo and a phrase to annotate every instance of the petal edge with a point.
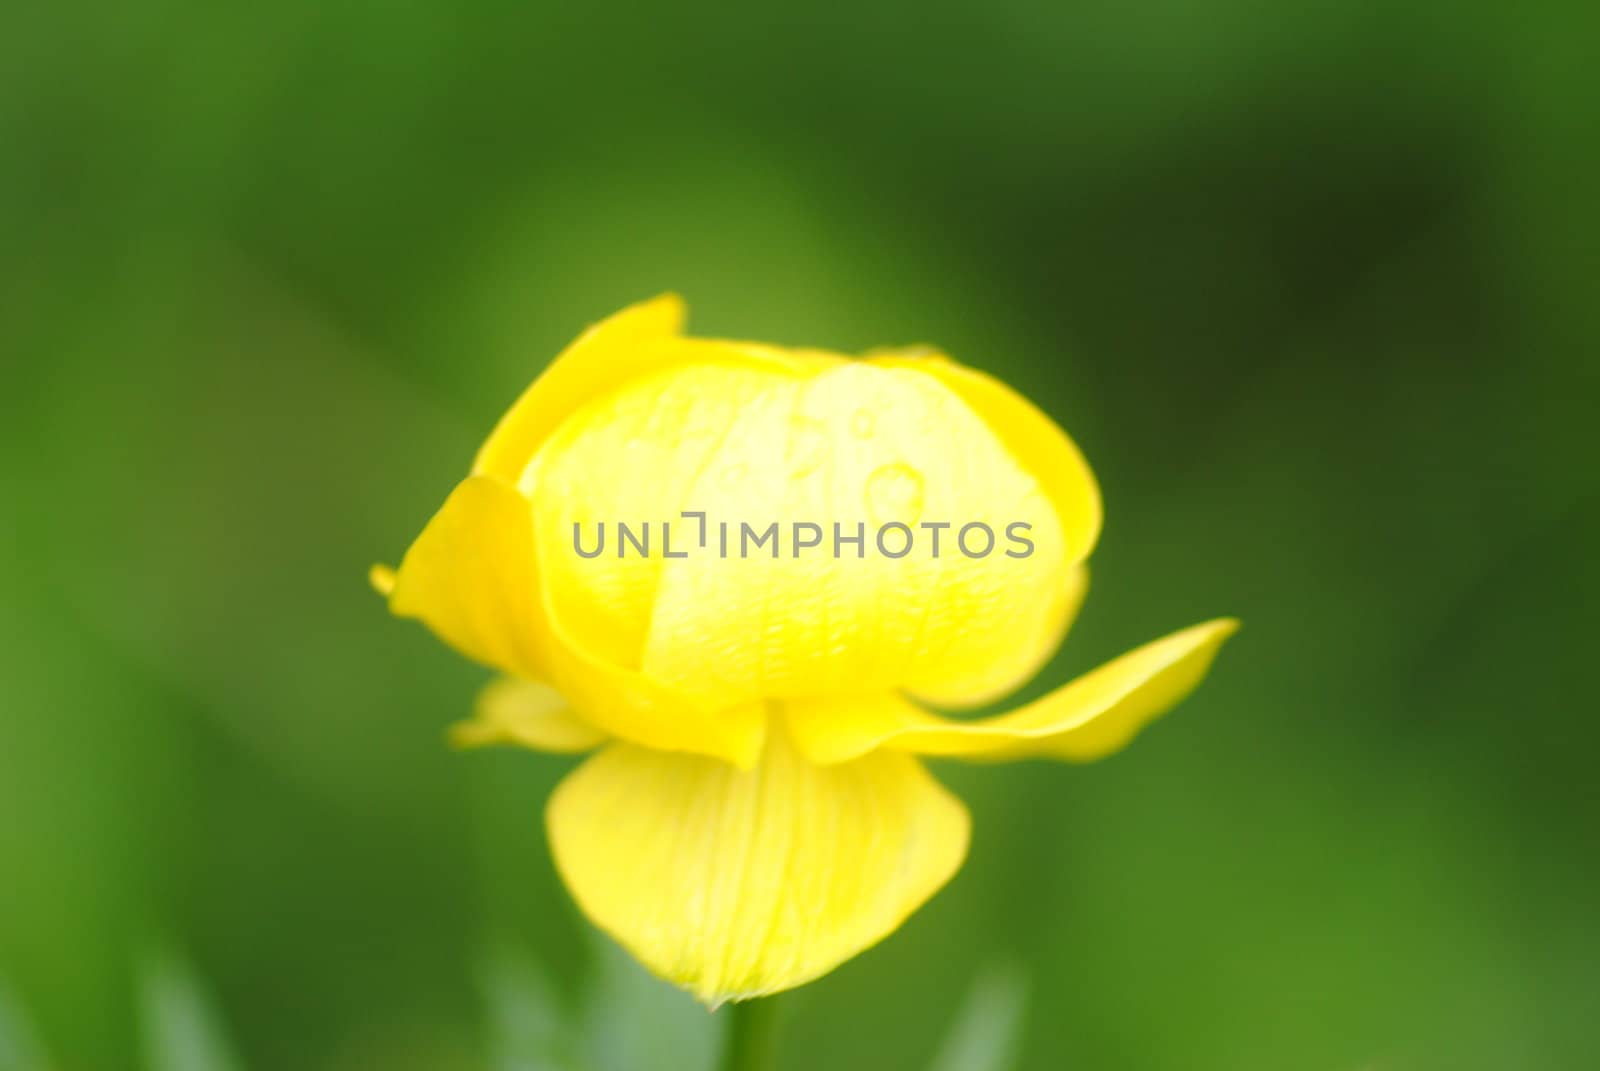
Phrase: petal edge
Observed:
(1083, 720)
(472, 577)
(610, 351)
(1038, 442)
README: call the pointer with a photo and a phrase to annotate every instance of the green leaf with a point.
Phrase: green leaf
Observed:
(181, 1027)
(987, 1033)
(20, 1049)
(528, 1029)
(633, 1021)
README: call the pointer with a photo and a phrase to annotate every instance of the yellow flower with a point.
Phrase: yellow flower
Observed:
(758, 811)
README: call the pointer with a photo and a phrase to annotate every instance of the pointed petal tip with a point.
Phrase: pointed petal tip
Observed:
(1085, 719)
(526, 714)
(467, 735)
(382, 578)
(671, 301)
(1214, 632)
(664, 315)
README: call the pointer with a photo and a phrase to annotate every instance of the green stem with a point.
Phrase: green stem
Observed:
(751, 1042)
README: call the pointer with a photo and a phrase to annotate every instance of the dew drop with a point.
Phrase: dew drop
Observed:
(895, 493)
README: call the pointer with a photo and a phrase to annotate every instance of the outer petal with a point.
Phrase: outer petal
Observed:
(1087, 719)
(1037, 441)
(534, 715)
(472, 577)
(635, 342)
(737, 884)
(613, 350)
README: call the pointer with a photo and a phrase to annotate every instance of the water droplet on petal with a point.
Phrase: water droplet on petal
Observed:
(863, 423)
(895, 493)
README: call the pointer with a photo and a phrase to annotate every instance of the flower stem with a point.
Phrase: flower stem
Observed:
(751, 1042)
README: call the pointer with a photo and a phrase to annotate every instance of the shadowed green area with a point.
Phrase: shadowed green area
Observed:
(1314, 290)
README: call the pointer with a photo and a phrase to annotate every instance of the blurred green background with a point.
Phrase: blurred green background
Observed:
(1316, 291)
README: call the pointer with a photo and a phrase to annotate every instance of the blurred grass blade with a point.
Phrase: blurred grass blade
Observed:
(182, 1030)
(987, 1034)
(20, 1049)
(635, 1022)
(528, 1030)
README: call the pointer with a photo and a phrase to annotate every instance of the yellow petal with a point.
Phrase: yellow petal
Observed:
(1038, 442)
(1033, 647)
(472, 577)
(634, 707)
(610, 352)
(1087, 719)
(626, 346)
(737, 884)
(865, 448)
(381, 577)
(534, 715)
(631, 458)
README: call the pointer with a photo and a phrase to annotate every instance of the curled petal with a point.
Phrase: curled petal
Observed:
(527, 713)
(621, 346)
(629, 345)
(1087, 719)
(735, 884)
(472, 577)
